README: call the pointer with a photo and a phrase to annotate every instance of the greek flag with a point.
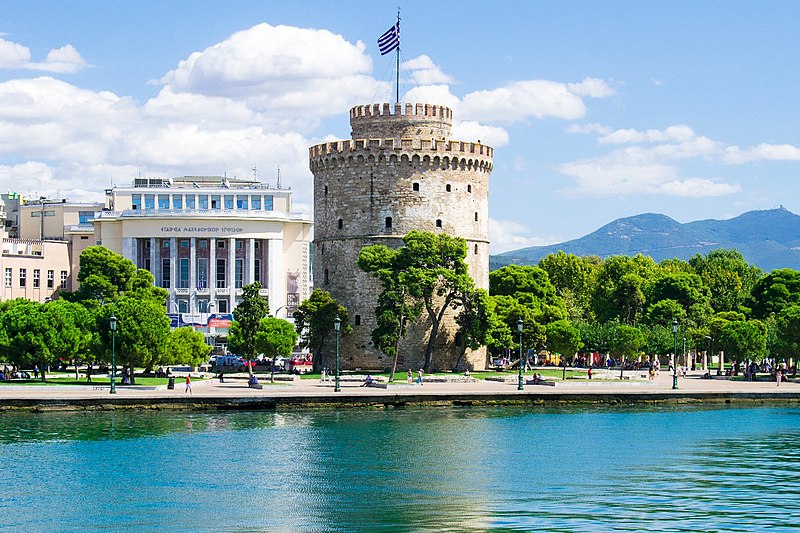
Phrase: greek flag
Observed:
(390, 40)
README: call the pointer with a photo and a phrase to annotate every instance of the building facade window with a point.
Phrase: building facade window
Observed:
(37, 278)
(221, 244)
(238, 243)
(202, 272)
(136, 201)
(476, 216)
(63, 279)
(215, 202)
(183, 273)
(190, 201)
(238, 273)
(267, 202)
(184, 243)
(222, 306)
(241, 202)
(149, 201)
(257, 268)
(221, 277)
(202, 201)
(255, 202)
(448, 188)
(8, 277)
(163, 201)
(340, 223)
(177, 201)
(358, 320)
(415, 187)
(228, 201)
(23, 274)
(476, 249)
(438, 222)
(84, 217)
(388, 222)
(165, 273)
(51, 279)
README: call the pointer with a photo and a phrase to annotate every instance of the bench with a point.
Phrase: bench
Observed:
(377, 384)
(257, 386)
(540, 382)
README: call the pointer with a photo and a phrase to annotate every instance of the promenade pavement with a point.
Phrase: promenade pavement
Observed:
(692, 384)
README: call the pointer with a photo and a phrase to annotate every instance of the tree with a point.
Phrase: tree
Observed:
(103, 276)
(476, 321)
(432, 270)
(185, 346)
(142, 330)
(563, 338)
(275, 337)
(686, 289)
(774, 292)
(743, 339)
(663, 312)
(314, 323)
(628, 342)
(573, 278)
(246, 319)
(26, 328)
(728, 276)
(72, 332)
(609, 299)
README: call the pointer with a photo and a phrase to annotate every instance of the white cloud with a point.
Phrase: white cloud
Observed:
(425, 72)
(588, 128)
(522, 100)
(281, 69)
(762, 152)
(679, 132)
(505, 235)
(65, 60)
(435, 94)
(473, 131)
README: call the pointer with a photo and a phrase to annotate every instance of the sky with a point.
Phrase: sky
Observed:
(596, 110)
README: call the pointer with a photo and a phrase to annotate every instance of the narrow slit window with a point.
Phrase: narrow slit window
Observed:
(438, 222)
(388, 222)
(415, 187)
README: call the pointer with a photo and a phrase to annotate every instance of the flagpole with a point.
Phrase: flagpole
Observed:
(397, 68)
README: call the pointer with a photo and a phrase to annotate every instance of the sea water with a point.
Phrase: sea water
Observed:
(428, 469)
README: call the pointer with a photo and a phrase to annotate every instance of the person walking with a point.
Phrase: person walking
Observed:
(409, 375)
(419, 377)
(188, 384)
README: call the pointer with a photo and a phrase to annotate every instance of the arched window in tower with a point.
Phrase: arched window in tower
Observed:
(448, 188)
(476, 250)
(326, 278)
(438, 222)
(358, 320)
(415, 187)
(388, 222)
(469, 188)
(476, 216)
(340, 223)
(326, 190)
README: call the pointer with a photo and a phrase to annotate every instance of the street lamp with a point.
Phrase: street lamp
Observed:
(675, 354)
(337, 325)
(112, 322)
(708, 355)
(519, 328)
(685, 362)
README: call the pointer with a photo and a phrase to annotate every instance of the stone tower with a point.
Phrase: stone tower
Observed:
(399, 172)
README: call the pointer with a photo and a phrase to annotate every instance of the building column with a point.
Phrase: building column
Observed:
(153, 266)
(192, 275)
(129, 249)
(232, 273)
(173, 269)
(276, 274)
(212, 271)
(251, 262)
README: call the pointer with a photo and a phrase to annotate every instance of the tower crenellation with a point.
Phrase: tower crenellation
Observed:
(399, 172)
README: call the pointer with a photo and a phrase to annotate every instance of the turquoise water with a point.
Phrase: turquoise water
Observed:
(448, 469)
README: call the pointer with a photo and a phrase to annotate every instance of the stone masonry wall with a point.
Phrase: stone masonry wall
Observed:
(377, 190)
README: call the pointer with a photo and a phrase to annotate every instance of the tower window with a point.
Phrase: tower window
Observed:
(326, 189)
(358, 320)
(415, 187)
(388, 222)
(476, 249)
(476, 216)
(447, 187)
(469, 188)
(326, 278)
(438, 222)
(340, 223)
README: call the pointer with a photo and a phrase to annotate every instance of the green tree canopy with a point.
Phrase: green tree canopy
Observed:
(314, 320)
(774, 292)
(275, 338)
(185, 346)
(563, 338)
(728, 276)
(246, 319)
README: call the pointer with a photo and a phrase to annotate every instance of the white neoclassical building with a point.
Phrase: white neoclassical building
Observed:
(204, 237)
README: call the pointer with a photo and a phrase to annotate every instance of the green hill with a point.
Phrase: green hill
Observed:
(769, 239)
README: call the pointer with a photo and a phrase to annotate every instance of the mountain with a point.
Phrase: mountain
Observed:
(769, 239)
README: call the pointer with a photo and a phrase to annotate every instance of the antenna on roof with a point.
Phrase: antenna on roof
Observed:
(255, 173)
(279, 176)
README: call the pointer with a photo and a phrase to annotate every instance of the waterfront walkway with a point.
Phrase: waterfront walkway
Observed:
(234, 393)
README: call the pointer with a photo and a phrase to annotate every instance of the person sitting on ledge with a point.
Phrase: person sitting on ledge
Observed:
(367, 380)
(252, 381)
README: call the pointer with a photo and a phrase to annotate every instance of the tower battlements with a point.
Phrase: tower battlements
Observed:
(379, 121)
(432, 150)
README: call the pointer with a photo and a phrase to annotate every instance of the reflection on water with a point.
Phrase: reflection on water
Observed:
(481, 469)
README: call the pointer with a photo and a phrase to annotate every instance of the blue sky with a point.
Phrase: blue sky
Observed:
(596, 110)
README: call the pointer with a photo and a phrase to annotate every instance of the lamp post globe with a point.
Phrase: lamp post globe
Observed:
(337, 325)
(112, 323)
(520, 324)
(675, 354)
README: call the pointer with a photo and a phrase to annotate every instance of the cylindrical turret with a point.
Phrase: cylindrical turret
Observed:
(400, 172)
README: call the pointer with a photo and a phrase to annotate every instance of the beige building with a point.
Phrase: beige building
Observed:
(204, 237)
(44, 258)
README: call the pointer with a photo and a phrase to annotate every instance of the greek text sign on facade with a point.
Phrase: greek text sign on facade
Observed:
(200, 229)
